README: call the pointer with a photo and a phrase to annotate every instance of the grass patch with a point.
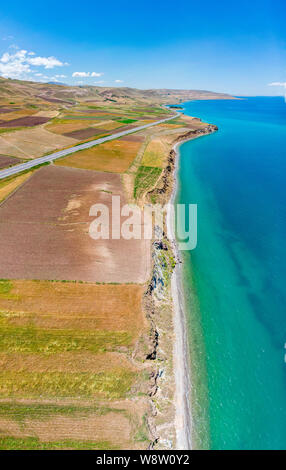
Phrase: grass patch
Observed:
(4, 130)
(155, 154)
(176, 121)
(126, 121)
(145, 179)
(19, 412)
(113, 384)
(142, 432)
(100, 117)
(33, 443)
(5, 287)
(36, 340)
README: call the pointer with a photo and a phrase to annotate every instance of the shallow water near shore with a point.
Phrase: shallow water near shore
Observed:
(234, 280)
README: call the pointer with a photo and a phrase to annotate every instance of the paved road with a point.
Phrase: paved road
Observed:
(53, 156)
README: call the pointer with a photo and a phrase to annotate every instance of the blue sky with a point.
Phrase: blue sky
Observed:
(224, 46)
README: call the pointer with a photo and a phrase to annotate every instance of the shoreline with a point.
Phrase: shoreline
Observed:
(166, 299)
(181, 352)
(181, 366)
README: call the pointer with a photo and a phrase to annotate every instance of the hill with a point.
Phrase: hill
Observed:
(34, 92)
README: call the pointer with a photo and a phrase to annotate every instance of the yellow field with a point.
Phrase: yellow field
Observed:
(68, 362)
(69, 125)
(65, 348)
(72, 305)
(47, 113)
(7, 186)
(27, 424)
(109, 125)
(17, 114)
(67, 339)
(155, 153)
(167, 125)
(115, 157)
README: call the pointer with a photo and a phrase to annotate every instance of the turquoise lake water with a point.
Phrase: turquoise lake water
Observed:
(235, 278)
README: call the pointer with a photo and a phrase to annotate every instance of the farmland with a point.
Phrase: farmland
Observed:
(76, 305)
(60, 341)
(146, 178)
(16, 113)
(6, 161)
(63, 126)
(44, 118)
(155, 154)
(32, 142)
(85, 357)
(9, 185)
(70, 425)
(115, 156)
(27, 121)
(52, 209)
(29, 133)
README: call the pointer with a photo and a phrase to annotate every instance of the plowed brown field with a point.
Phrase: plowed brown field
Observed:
(44, 231)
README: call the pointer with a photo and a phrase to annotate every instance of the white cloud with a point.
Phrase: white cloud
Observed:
(14, 65)
(18, 56)
(283, 84)
(87, 74)
(118, 81)
(18, 65)
(15, 70)
(47, 62)
(80, 74)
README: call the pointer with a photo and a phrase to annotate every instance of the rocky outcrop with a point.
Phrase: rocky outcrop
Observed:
(209, 129)
(153, 343)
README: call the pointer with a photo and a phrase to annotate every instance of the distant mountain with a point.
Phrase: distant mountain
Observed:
(56, 83)
(19, 91)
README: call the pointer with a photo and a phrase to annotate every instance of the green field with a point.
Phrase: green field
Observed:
(145, 179)
(33, 443)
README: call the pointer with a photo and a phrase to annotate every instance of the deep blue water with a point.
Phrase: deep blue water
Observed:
(235, 278)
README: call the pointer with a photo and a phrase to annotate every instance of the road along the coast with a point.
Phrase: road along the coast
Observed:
(62, 153)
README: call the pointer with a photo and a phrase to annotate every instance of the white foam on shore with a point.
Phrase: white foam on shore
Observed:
(181, 362)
